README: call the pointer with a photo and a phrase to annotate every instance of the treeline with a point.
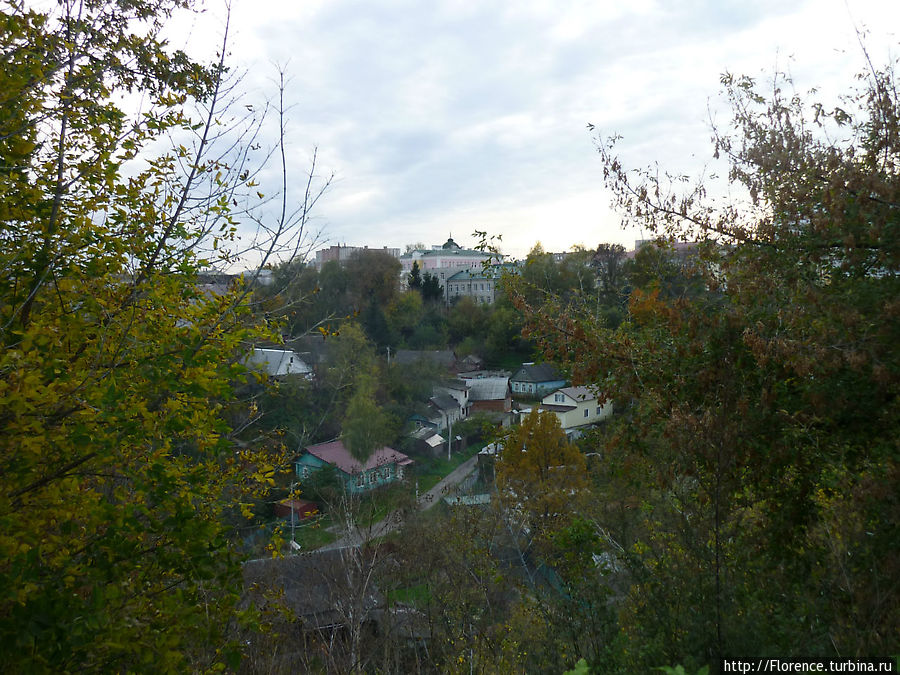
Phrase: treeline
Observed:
(411, 313)
(368, 290)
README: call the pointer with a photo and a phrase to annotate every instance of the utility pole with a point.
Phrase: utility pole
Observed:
(291, 501)
(450, 435)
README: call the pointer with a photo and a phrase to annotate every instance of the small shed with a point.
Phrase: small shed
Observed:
(301, 509)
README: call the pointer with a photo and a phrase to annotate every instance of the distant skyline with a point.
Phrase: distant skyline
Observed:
(455, 115)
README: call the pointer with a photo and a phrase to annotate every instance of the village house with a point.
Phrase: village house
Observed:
(458, 389)
(327, 603)
(299, 509)
(383, 467)
(536, 379)
(488, 391)
(445, 411)
(576, 407)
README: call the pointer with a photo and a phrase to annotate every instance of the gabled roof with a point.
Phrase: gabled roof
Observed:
(574, 395)
(277, 362)
(488, 388)
(480, 272)
(444, 402)
(468, 376)
(537, 372)
(334, 453)
(314, 586)
(471, 362)
(456, 385)
(466, 252)
(577, 393)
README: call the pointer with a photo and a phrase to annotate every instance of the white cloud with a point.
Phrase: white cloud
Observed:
(455, 114)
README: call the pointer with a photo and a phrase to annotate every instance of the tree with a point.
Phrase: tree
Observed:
(120, 472)
(372, 276)
(609, 260)
(414, 279)
(543, 277)
(761, 426)
(539, 471)
(404, 314)
(431, 288)
(366, 427)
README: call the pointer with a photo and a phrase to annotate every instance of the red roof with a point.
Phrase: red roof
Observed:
(336, 454)
(301, 507)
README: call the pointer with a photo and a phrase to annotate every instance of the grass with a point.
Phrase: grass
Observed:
(382, 501)
(429, 471)
(417, 596)
(312, 533)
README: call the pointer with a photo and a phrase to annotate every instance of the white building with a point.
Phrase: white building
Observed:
(576, 407)
(442, 260)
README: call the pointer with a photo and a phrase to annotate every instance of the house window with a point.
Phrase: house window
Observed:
(305, 472)
(586, 411)
(599, 409)
(559, 398)
(359, 480)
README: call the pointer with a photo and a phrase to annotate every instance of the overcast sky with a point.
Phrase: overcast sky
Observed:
(441, 117)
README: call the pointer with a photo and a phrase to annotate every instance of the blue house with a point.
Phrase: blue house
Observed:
(536, 379)
(384, 466)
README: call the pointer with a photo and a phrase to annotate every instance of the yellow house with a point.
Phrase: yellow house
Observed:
(576, 407)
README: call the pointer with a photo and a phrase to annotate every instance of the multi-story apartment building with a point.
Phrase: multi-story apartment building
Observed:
(342, 253)
(441, 261)
(479, 283)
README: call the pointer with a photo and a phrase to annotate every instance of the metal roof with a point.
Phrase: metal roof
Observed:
(277, 362)
(488, 388)
(336, 454)
(537, 372)
(444, 402)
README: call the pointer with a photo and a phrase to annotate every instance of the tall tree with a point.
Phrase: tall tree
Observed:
(414, 279)
(372, 276)
(118, 468)
(539, 472)
(609, 260)
(431, 288)
(762, 406)
(366, 427)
